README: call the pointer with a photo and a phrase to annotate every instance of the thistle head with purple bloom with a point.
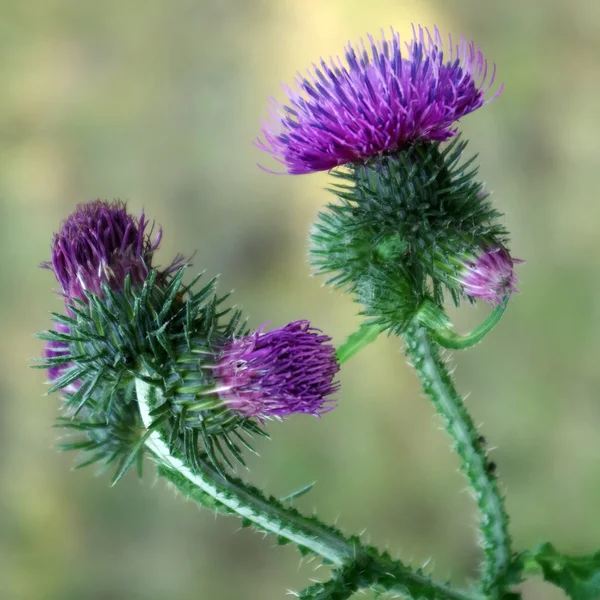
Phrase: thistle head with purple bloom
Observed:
(278, 373)
(342, 113)
(101, 243)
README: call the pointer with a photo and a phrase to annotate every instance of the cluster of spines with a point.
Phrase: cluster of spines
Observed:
(218, 439)
(404, 220)
(343, 584)
(105, 436)
(139, 334)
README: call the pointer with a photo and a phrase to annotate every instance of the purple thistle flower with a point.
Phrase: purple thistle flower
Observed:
(55, 349)
(376, 104)
(490, 276)
(287, 370)
(101, 243)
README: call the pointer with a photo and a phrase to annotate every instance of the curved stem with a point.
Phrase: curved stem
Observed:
(236, 498)
(267, 514)
(469, 445)
(455, 341)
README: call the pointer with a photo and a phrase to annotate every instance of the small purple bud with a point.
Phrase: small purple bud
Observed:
(343, 112)
(490, 276)
(55, 349)
(285, 371)
(101, 243)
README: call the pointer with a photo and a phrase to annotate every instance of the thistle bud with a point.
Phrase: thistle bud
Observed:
(278, 373)
(263, 375)
(490, 276)
(101, 243)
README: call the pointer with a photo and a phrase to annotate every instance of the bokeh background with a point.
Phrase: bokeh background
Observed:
(158, 103)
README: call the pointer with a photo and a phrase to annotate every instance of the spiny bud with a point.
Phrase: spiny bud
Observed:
(490, 276)
(266, 374)
(101, 243)
(278, 373)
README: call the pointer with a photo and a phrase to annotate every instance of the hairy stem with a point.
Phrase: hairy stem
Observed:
(266, 514)
(470, 446)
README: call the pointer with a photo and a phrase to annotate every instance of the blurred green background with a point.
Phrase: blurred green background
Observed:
(158, 103)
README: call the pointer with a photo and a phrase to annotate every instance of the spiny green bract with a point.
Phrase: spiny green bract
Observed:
(143, 333)
(400, 228)
(105, 433)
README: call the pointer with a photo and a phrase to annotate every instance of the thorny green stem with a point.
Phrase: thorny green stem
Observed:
(380, 571)
(470, 446)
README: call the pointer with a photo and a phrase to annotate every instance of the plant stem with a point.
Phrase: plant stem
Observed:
(469, 445)
(288, 524)
(455, 341)
(236, 498)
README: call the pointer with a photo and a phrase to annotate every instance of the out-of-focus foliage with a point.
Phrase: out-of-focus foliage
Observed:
(158, 103)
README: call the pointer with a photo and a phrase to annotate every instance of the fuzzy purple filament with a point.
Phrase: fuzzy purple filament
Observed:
(491, 276)
(278, 373)
(376, 104)
(100, 242)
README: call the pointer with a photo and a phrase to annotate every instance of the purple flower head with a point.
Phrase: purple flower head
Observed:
(378, 103)
(490, 276)
(101, 243)
(55, 349)
(287, 370)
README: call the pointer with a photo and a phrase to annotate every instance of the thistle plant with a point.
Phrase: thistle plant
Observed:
(148, 363)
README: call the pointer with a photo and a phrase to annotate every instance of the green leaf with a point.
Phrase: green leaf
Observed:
(578, 576)
(365, 334)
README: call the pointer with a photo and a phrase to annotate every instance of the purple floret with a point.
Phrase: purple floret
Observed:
(285, 371)
(490, 276)
(101, 243)
(377, 103)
